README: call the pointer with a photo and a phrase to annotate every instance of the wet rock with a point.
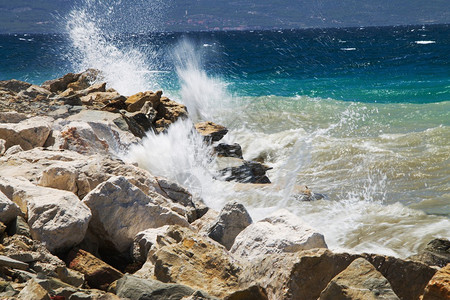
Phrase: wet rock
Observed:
(439, 286)
(210, 131)
(280, 232)
(251, 293)
(233, 218)
(29, 133)
(187, 258)
(14, 85)
(135, 212)
(114, 104)
(226, 150)
(33, 291)
(8, 209)
(436, 253)
(168, 112)
(98, 274)
(136, 102)
(56, 218)
(235, 169)
(141, 120)
(303, 193)
(360, 280)
(60, 84)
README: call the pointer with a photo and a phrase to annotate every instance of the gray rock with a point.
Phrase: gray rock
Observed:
(6, 261)
(20, 227)
(12, 117)
(13, 150)
(233, 218)
(8, 209)
(226, 150)
(29, 133)
(436, 253)
(235, 169)
(144, 241)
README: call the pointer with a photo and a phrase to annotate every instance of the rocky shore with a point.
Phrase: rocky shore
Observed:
(77, 222)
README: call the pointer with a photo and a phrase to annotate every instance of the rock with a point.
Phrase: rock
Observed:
(235, 169)
(120, 210)
(60, 84)
(439, 286)
(233, 218)
(2, 147)
(281, 232)
(60, 177)
(436, 253)
(81, 138)
(13, 150)
(169, 112)
(8, 209)
(33, 291)
(187, 258)
(134, 288)
(303, 193)
(145, 240)
(175, 192)
(113, 102)
(14, 85)
(35, 91)
(226, 150)
(20, 226)
(251, 293)
(136, 101)
(56, 218)
(360, 280)
(203, 224)
(12, 263)
(210, 131)
(12, 117)
(98, 274)
(100, 99)
(28, 133)
(95, 88)
(72, 100)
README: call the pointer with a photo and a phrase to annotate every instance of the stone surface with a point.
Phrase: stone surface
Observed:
(120, 210)
(56, 218)
(251, 293)
(8, 209)
(13, 150)
(98, 274)
(168, 112)
(210, 131)
(359, 281)
(33, 291)
(136, 102)
(281, 232)
(60, 84)
(29, 133)
(19, 226)
(226, 150)
(187, 258)
(12, 263)
(2, 146)
(436, 253)
(14, 85)
(439, 286)
(235, 169)
(145, 240)
(12, 117)
(233, 218)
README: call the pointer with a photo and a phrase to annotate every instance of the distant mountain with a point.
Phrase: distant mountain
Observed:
(39, 16)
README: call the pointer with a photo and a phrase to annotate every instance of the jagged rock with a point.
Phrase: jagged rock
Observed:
(95, 88)
(35, 91)
(359, 281)
(235, 169)
(56, 218)
(169, 112)
(210, 131)
(226, 150)
(252, 293)
(12, 117)
(438, 288)
(13, 150)
(8, 209)
(14, 85)
(113, 104)
(2, 146)
(29, 133)
(135, 102)
(436, 253)
(98, 274)
(19, 226)
(145, 240)
(185, 257)
(61, 178)
(233, 218)
(84, 80)
(12, 263)
(203, 224)
(60, 84)
(280, 232)
(33, 291)
(135, 212)
(100, 99)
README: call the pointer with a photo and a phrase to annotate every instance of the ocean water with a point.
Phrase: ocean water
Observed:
(361, 115)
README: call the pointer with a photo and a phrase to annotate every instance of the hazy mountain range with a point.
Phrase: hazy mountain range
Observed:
(39, 16)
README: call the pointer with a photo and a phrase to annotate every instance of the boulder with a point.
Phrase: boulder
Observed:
(145, 240)
(281, 232)
(8, 209)
(95, 88)
(303, 193)
(56, 218)
(226, 150)
(168, 112)
(233, 218)
(100, 99)
(9, 262)
(14, 85)
(184, 257)
(252, 293)
(98, 274)
(12, 117)
(439, 286)
(60, 84)
(29, 133)
(436, 253)
(33, 291)
(235, 169)
(35, 91)
(121, 210)
(359, 281)
(136, 102)
(210, 131)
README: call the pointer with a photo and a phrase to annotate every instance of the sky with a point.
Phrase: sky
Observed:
(42, 16)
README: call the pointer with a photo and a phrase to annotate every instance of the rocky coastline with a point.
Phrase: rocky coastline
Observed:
(77, 222)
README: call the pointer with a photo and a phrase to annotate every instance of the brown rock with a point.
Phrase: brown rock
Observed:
(170, 110)
(60, 84)
(439, 286)
(29, 133)
(252, 293)
(33, 291)
(210, 131)
(359, 281)
(98, 274)
(136, 101)
(14, 85)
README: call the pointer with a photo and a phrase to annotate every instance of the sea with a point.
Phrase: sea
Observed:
(360, 115)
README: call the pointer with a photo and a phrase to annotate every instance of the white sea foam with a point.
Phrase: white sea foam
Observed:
(425, 42)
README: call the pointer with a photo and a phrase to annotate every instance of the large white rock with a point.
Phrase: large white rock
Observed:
(145, 240)
(2, 146)
(280, 232)
(29, 133)
(8, 209)
(120, 210)
(56, 218)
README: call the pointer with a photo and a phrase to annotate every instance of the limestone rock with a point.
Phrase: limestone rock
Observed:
(33, 291)
(226, 150)
(98, 274)
(210, 131)
(8, 209)
(359, 281)
(35, 91)
(60, 177)
(436, 253)
(203, 224)
(136, 101)
(280, 232)
(439, 286)
(28, 133)
(185, 257)
(233, 218)
(235, 169)
(56, 218)
(120, 210)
